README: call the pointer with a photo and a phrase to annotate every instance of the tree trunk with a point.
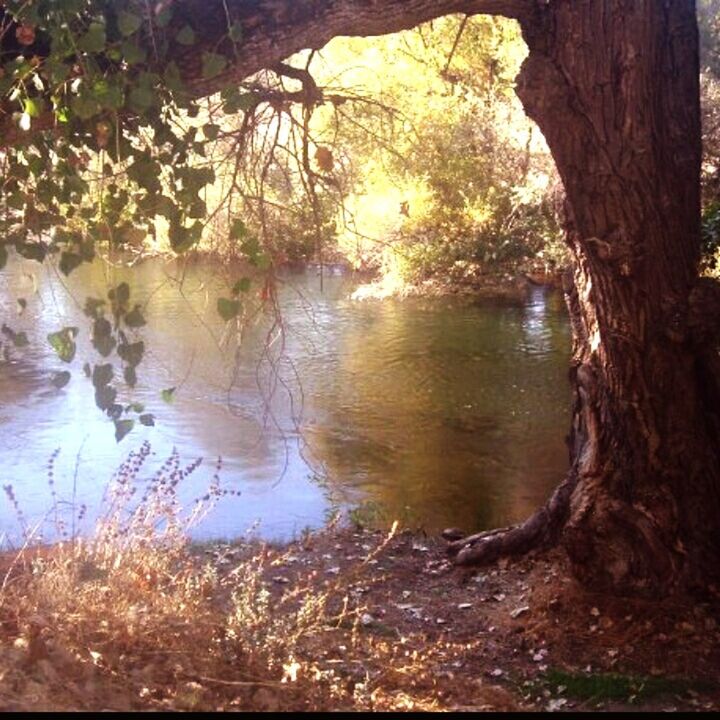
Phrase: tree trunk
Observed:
(613, 85)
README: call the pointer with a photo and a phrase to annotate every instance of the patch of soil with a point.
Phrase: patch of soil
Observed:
(403, 629)
(433, 636)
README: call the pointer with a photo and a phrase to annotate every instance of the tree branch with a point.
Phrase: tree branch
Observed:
(273, 30)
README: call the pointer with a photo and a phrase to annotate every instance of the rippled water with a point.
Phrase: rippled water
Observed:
(440, 412)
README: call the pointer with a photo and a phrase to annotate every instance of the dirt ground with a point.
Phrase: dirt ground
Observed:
(520, 636)
(402, 629)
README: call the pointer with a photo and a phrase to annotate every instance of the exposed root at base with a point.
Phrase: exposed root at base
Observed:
(540, 531)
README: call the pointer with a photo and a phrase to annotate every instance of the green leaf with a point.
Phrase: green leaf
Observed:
(128, 23)
(133, 54)
(92, 305)
(18, 339)
(228, 309)
(186, 36)
(164, 16)
(105, 396)
(102, 375)
(210, 131)
(130, 375)
(141, 99)
(61, 379)
(85, 106)
(148, 419)
(241, 286)
(69, 261)
(33, 106)
(168, 394)
(213, 64)
(94, 40)
(135, 318)
(238, 230)
(236, 101)
(32, 251)
(235, 33)
(122, 428)
(63, 343)
(102, 338)
(121, 293)
(132, 353)
(172, 78)
(135, 407)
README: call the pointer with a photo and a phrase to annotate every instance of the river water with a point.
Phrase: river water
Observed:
(437, 412)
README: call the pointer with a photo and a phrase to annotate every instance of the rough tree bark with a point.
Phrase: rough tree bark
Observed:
(613, 85)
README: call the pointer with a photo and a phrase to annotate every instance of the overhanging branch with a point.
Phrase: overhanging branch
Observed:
(273, 30)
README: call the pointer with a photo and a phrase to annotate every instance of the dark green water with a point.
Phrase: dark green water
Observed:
(439, 412)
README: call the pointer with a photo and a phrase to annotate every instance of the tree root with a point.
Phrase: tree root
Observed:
(540, 531)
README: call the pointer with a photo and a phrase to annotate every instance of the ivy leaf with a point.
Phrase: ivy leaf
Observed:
(122, 428)
(105, 396)
(128, 23)
(228, 309)
(61, 379)
(92, 305)
(102, 375)
(69, 261)
(135, 318)
(32, 251)
(133, 54)
(210, 131)
(213, 64)
(130, 375)
(102, 338)
(18, 339)
(63, 343)
(132, 353)
(148, 419)
(141, 99)
(164, 16)
(235, 32)
(241, 286)
(186, 36)
(238, 230)
(33, 106)
(94, 40)
(168, 394)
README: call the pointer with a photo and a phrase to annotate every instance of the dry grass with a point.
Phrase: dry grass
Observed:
(131, 618)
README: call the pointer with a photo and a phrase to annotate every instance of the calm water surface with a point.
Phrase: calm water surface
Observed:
(439, 411)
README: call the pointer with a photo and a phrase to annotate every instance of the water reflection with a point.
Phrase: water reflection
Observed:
(447, 412)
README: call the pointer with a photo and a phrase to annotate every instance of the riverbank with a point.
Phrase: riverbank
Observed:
(346, 619)
(465, 279)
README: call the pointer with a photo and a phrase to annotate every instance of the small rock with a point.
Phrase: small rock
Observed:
(595, 612)
(367, 619)
(464, 606)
